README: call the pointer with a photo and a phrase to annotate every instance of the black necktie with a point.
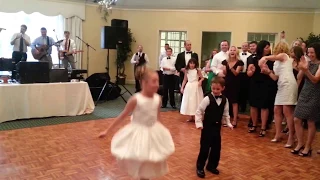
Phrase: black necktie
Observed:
(217, 97)
(189, 52)
(168, 57)
(244, 54)
(21, 44)
(139, 55)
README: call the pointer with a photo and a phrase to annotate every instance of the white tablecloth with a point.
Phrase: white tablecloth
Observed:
(24, 101)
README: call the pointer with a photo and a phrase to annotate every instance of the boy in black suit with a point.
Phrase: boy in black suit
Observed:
(208, 118)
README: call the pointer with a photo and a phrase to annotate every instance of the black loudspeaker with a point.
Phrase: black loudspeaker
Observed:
(59, 75)
(111, 36)
(108, 38)
(119, 23)
(96, 82)
(32, 72)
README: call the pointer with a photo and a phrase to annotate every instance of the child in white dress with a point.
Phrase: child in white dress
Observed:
(142, 147)
(191, 89)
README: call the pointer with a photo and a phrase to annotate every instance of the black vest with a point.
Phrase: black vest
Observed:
(142, 60)
(213, 113)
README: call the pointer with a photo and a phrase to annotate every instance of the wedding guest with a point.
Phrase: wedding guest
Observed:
(232, 68)
(308, 103)
(139, 59)
(169, 69)
(287, 93)
(243, 77)
(261, 88)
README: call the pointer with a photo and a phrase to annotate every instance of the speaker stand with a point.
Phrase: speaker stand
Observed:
(113, 87)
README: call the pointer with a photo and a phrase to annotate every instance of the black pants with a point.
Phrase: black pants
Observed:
(244, 91)
(17, 57)
(181, 81)
(210, 145)
(138, 87)
(168, 87)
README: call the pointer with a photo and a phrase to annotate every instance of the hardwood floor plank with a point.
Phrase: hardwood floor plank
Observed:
(74, 152)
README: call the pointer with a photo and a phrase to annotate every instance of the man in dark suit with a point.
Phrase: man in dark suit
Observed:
(183, 58)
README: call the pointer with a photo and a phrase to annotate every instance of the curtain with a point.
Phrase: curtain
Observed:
(46, 7)
(12, 22)
(74, 26)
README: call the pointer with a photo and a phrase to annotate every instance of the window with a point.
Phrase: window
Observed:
(12, 22)
(175, 39)
(271, 37)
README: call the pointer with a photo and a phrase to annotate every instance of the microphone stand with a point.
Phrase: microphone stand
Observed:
(88, 47)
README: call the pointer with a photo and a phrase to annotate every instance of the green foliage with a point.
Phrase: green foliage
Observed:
(312, 38)
(124, 52)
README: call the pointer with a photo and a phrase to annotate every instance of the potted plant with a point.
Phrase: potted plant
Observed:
(312, 38)
(123, 53)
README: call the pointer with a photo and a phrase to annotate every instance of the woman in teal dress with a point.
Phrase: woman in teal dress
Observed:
(211, 75)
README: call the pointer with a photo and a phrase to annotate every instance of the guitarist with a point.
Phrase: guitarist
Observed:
(139, 59)
(68, 48)
(43, 43)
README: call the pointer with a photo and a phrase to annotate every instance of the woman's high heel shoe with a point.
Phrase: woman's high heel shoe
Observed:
(275, 140)
(293, 151)
(306, 155)
(252, 129)
(262, 133)
(288, 146)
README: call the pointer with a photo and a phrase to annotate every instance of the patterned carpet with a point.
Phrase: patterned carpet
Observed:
(108, 109)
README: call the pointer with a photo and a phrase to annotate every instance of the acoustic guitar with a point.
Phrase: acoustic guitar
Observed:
(42, 51)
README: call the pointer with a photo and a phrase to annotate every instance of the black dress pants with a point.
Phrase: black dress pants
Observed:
(17, 57)
(168, 87)
(137, 86)
(210, 145)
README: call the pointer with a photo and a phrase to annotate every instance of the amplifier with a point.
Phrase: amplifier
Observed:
(59, 75)
(6, 64)
(32, 72)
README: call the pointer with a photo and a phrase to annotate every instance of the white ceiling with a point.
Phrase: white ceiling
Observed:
(305, 5)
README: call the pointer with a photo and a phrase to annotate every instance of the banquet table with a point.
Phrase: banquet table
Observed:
(25, 101)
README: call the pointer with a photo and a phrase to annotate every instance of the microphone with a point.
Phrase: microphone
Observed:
(54, 30)
(78, 37)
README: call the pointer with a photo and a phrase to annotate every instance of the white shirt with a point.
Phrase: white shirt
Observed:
(136, 58)
(217, 60)
(168, 63)
(187, 56)
(244, 58)
(162, 55)
(202, 107)
(16, 43)
(72, 45)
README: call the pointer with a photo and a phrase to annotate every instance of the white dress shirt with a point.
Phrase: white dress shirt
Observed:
(72, 45)
(202, 107)
(163, 54)
(136, 58)
(217, 60)
(16, 43)
(187, 56)
(243, 58)
(168, 63)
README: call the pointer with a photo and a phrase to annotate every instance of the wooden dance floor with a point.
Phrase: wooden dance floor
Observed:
(73, 151)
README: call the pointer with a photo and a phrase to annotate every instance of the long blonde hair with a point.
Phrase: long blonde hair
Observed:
(237, 53)
(281, 47)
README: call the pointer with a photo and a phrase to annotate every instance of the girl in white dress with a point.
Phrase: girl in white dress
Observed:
(142, 146)
(191, 89)
(287, 93)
